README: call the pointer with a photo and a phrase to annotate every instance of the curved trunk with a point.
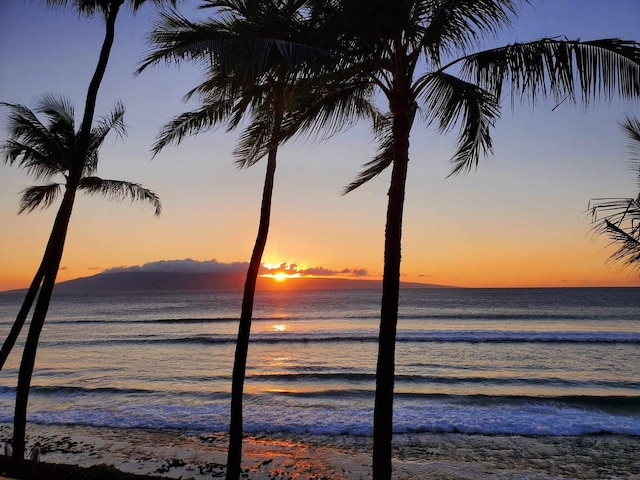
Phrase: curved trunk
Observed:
(98, 75)
(85, 131)
(383, 410)
(53, 255)
(10, 341)
(234, 455)
(50, 271)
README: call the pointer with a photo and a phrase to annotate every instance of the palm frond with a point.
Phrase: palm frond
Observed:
(113, 121)
(457, 25)
(631, 128)
(383, 130)
(619, 219)
(448, 101)
(136, 4)
(191, 123)
(212, 42)
(119, 190)
(255, 140)
(559, 69)
(244, 37)
(319, 109)
(39, 196)
(628, 252)
(41, 150)
(91, 7)
(59, 110)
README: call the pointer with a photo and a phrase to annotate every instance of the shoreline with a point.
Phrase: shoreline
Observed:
(416, 456)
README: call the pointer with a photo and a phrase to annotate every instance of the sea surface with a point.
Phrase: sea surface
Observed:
(487, 361)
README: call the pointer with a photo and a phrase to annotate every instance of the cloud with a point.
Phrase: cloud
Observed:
(213, 266)
(318, 271)
(94, 268)
(184, 266)
(63, 268)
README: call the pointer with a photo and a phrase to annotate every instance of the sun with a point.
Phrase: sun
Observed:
(281, 277)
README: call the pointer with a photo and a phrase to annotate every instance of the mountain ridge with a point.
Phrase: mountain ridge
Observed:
(140, 282)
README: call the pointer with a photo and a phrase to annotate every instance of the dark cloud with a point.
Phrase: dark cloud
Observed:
(63, 268)
(184, 266)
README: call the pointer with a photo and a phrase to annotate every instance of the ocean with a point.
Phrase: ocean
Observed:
(480, 361)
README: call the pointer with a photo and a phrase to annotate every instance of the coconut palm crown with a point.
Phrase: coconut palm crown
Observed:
(619, 218)
(46, 150)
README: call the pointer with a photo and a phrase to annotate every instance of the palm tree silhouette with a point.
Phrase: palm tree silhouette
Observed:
(44, 278)
(46, 150)
(423, 58)
(109, 9)
(619, 218)
(261, 68)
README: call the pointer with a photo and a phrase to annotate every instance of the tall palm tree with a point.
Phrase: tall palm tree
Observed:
(619, 218)
(423, 57)
(46, 150)
(261, 68)
(109, 9)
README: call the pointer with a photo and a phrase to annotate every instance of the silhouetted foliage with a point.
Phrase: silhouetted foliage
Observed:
(47, 150)
(619, 218)
(44, 279)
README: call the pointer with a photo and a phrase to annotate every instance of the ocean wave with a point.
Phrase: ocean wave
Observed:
(445, 336)
(465, 414)
(72, 391)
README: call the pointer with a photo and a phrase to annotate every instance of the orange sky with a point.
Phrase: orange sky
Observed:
(518, 221)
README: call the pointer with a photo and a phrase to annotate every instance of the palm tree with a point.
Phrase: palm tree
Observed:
(46, 150)
(262, 68)
(422, 56)
(619, 218)
(109, 9)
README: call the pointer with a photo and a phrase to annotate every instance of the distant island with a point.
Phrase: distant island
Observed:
(134, 282)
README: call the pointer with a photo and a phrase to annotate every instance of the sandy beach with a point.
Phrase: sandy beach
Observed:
(419, 456)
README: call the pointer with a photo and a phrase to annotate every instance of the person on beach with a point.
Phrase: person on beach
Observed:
(35, 453)
(8, 449)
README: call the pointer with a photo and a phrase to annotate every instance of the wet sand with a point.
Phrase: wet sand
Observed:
(444, 456)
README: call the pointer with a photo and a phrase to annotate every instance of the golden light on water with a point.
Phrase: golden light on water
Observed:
(280, 327)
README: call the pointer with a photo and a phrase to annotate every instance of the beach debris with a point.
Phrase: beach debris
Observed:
(169, 464)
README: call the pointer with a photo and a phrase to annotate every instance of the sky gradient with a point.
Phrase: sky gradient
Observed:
(518, 221)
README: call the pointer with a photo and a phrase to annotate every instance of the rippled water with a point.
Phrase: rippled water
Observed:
(522, 361)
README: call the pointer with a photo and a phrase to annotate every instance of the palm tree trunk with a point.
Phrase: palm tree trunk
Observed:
(10, 341)
(234, 455)
(383, 410)
(51, 263)
(98, 75)
(56, 242)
